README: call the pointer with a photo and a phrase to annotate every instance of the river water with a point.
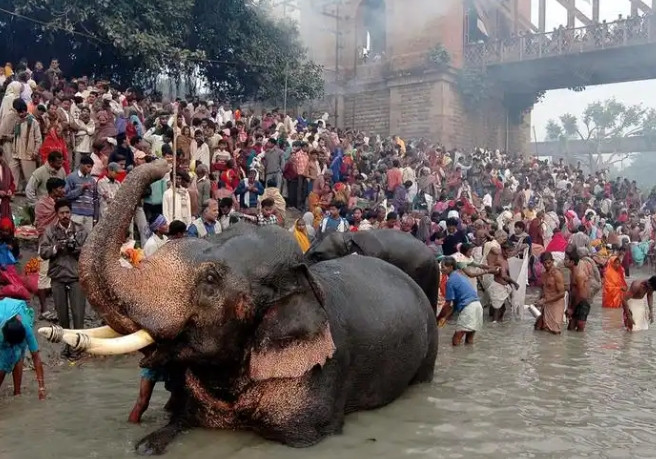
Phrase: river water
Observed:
(514, 394)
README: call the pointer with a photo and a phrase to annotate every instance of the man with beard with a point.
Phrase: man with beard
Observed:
(61, 245)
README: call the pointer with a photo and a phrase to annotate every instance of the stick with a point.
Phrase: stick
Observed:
(175, 155)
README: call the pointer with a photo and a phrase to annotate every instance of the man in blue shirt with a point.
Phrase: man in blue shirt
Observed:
(333, 222)
(461, 298)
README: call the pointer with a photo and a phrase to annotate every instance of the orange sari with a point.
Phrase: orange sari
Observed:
(614, 285)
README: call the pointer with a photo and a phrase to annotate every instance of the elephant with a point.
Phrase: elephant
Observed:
(396, 247)
(253, 337)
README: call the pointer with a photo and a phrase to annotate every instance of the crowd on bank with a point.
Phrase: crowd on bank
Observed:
(68, 144)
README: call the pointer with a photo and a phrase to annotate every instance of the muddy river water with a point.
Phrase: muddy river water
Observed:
(515, 394)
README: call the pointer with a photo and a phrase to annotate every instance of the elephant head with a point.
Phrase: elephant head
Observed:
(206, 301)
(332, 246)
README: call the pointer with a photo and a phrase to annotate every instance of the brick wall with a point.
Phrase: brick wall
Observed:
(368, 111)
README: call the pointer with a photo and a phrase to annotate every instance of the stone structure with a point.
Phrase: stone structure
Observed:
(379, 78)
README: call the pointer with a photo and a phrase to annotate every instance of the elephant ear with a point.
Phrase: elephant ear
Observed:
(294, 335)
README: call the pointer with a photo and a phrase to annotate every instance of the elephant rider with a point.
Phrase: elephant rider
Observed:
(207, 223)
(16, 320)
(160, 229)
(461, 298)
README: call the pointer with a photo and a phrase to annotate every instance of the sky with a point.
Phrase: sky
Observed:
(563, 101)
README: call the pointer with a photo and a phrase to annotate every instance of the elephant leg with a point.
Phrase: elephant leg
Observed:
(298, 413)
(156, 443)
(427, 368)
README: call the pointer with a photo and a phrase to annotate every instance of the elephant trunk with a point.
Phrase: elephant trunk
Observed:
(110, 288)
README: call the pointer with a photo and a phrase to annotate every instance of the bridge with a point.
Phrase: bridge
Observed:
(577, 147)
(596, 53)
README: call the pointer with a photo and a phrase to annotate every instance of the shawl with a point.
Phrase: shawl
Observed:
(558, 243)
(301, 237)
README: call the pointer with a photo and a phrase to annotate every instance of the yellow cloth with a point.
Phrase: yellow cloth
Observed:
(301, 237)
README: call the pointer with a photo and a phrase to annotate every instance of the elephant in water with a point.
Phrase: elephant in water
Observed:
(395, 247)
(250, 336)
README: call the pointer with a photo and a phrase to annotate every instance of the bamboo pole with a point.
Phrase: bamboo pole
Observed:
(175, 155)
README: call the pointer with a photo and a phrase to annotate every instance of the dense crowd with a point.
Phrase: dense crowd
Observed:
(68, 144)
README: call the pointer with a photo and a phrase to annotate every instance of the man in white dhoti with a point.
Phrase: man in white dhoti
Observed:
(638, 310)
(499, 287)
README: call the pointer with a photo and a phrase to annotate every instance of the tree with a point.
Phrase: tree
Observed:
(252, 53)
(233, 44)
(602, 123)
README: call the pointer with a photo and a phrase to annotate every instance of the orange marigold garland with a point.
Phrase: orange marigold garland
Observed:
(33, 266)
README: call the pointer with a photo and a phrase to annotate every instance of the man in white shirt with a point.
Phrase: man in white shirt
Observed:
(85, 130)
(182, 201)
(160, 229)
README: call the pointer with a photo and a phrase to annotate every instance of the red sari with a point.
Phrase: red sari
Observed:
(53, 142)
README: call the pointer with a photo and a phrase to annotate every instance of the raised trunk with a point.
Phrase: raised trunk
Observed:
(110, 288)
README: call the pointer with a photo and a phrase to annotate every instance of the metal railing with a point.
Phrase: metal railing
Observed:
(631, 31)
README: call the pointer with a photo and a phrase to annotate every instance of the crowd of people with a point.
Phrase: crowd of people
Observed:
(68, 144)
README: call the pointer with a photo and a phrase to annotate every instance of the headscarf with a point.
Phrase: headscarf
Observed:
(157, 223)
(6, 224)
(301, 236)
(308, 218)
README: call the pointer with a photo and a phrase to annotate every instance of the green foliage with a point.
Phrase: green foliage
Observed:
(241, 51)
(518, 104)
(474, 87)
(439, 57)
(261, 52)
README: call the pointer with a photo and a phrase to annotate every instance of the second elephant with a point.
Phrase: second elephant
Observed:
(395, 247)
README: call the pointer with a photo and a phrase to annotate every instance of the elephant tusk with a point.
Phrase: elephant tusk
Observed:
(109, 346)
(55, 333)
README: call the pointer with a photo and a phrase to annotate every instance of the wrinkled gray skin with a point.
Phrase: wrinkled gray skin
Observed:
(396, 247)
(250, 336)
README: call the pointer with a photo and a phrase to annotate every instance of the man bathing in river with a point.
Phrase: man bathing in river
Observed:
(638, 305)
(552, 301)
(500, 287)
(579, 299)
(460, 298)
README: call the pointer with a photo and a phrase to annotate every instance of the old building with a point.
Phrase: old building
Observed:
(394, 67)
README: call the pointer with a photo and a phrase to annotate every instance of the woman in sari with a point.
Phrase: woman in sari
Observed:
(301, 234)
(614, 282)
(558, 242)
(54, 141)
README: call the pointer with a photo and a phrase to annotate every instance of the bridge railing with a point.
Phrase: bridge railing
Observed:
(631, 31)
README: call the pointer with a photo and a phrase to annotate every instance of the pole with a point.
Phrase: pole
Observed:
(286, 87)
(175, 155)
(284, 109)
(337, 12)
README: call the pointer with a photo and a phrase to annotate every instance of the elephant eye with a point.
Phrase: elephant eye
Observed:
(211, 279)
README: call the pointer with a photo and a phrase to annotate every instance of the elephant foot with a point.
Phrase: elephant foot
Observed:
(156, 443)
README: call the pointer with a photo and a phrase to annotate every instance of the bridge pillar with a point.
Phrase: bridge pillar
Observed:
(595, 11)
(542, 15)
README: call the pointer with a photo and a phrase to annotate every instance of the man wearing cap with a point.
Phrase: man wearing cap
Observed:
(108, 187)
(159, 228)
